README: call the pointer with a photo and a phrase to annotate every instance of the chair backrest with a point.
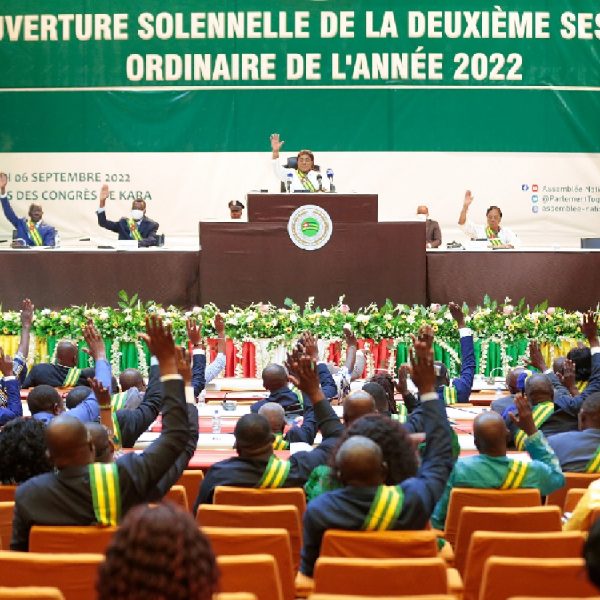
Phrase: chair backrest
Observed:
(234, 596)
(7, 493)
(560, 544)
(70, 539)
(225, 494)
(73, 574)
(31, 593)
(6, 518)
(231, 541)
(461, 497)
(379, 544)
(383, 577)
(177, 495)
(572, 497)
(191, 480)
(411, 597)
(284, 517)
(256, 573)
(524, 519)
(505, 577)
(572, 480)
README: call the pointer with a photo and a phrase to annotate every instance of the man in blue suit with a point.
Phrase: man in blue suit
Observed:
(31, 230)
(135, 227)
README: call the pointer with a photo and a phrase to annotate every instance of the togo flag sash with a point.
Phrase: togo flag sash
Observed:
(492, 236)
(133, 230)
(117, 401)
(516, 473)
(385, 508)
(116, 430)
(72, 377)
(280, 442)
(594, 465)
(306, 182)
(449, 394)
(541, 413)
(106, 493)
(34, 234)
(275, 474)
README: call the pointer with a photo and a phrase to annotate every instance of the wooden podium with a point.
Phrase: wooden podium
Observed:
(364, 260)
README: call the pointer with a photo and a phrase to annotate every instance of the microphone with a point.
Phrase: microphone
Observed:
(330, 177)
(288, 183)
(320, 181)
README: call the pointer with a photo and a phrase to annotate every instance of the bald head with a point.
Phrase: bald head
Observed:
(538, 388)
(103, 446)
(357, 404)
(131, 378)
(274, 377)
(66, 353)
(359, 462)
(274, 414)
(422, 210)
(69, 442)
(512, 379)
(558, 364)
(490, 434)
(253, 436)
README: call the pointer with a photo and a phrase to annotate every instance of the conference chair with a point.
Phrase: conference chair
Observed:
(256, 574)
(522, 519)
(62, 539)
(573, 496)
(383, 577)
(231, 541)
(191, 480)
(73, 574)
(411, 597)
(461, 497)
(225, 494)
(177, 495)
(7, 510)
(379, 544)
(572, 480)
(504, 577)
(567, 544)
(7, 493)
(234, 596)
(30, 593)
(284, 517)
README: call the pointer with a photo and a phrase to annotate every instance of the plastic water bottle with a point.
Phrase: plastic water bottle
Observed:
(216, 423)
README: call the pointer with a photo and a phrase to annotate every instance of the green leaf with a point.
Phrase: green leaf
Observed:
(288, 302)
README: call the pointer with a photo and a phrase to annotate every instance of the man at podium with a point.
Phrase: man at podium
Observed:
(304, 178)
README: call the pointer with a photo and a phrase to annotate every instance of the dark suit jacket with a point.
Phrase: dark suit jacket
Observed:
(433, 233)
(54, 375)
(147, 228)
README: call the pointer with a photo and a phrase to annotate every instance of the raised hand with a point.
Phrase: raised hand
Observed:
(220, 325)
(524, 418)
(349, 336)
(402, 384)
(536, 358)
(421, 360)
(94, 340)
(589, 328)
(26, 313)
(567, 377)
(468, 199)
(426, 335)
(103, 195)
(184, 366)
(159, 339)
(193, 332)
(276, 144)
(457, 314)
(6, 364)
(303, 371)
(101, 393)
(309, 342)
(3, 183)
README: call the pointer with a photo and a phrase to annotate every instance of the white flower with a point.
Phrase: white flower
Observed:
(388, 317)
(196, 310)
(363, 318)
(293, 317)
(410, 319)
(103, 315)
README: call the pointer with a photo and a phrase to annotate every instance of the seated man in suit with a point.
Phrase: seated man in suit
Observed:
(73, 493)
(492, 469)
(135, 227)
(433, 233)
(33, 231)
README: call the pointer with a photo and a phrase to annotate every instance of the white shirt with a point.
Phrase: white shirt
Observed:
(296, 185)
(477, 232)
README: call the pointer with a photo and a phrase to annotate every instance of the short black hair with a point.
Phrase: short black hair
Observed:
(376, 390)
(491, 208)
(592, 403)
(386, 382)
(42, 398)
(23, 451)
(77, 395)
(252, 431)
(582, 357)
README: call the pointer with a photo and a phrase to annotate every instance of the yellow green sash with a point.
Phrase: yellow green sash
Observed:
(492, 236)
(280, 442)
(541, 413)
(449, 394)
(133, 230)
(306, 182)
(72, 377)
(117, 401)
(34, 234)
(116, 430)
(106, 493)
(594, 465)
(401, 411)
(275, 473)
(385, 508)
(516, 473)
(581, 385)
